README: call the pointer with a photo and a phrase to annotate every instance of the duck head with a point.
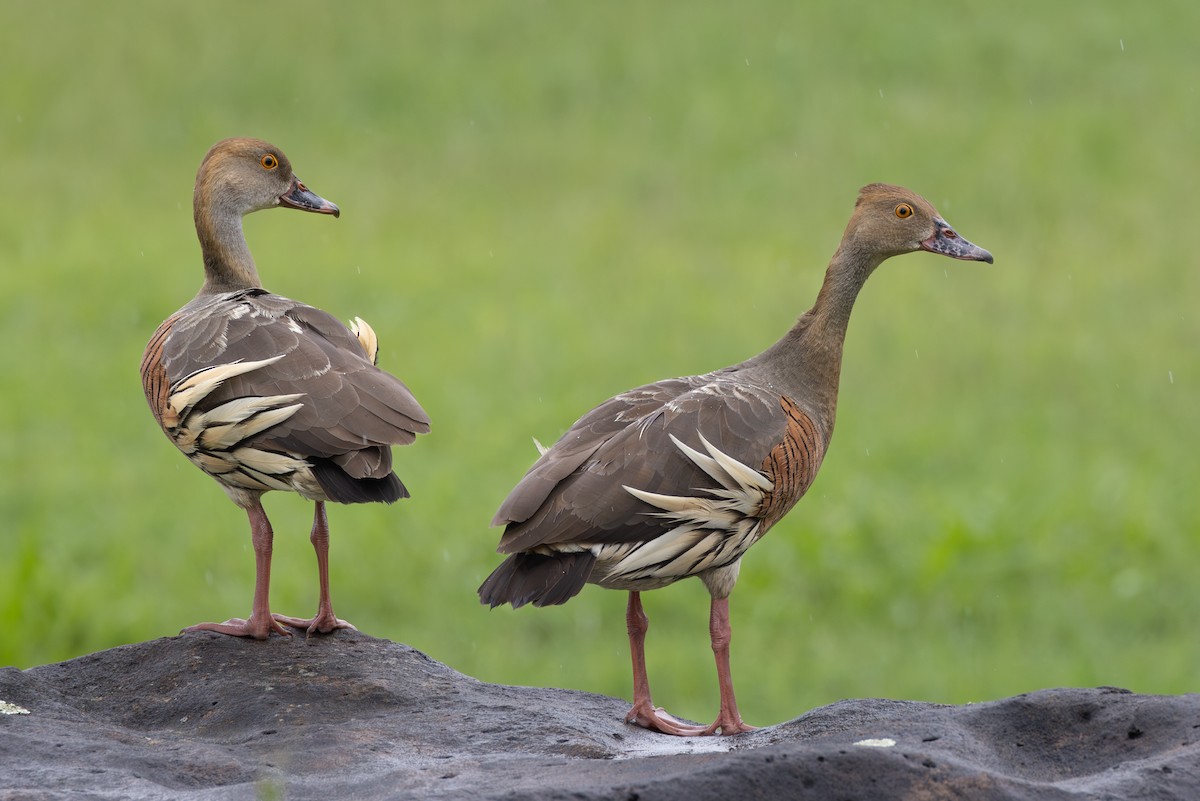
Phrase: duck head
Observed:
(239, 176)
(891, 220)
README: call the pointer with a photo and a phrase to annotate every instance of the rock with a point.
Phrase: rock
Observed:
(204, 716)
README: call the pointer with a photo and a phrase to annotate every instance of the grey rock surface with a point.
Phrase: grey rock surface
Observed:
(347, 716)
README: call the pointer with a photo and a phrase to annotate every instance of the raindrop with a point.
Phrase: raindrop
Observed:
(917, 353)
(1122, 41)
(748, 60)
(881, 92)
(1171, 376)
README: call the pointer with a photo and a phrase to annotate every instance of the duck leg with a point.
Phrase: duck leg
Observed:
(261, 623)
(728, 721)
(324, 621)
(644, 713)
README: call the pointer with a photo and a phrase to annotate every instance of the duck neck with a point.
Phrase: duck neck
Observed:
(228, 265)
(848, 270)
(807, 361)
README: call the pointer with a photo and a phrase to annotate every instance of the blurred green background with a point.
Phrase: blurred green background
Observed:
(547, 203)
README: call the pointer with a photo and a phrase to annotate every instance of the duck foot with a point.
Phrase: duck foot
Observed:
(255, 627)
(657, 719)
(727, 727)
(324, 623)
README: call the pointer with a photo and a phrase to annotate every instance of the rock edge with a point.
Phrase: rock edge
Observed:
(204, 716)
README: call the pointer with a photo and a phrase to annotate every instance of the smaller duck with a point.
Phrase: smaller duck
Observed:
(265, 393)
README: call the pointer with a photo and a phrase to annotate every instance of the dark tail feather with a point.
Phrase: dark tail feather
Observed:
(344, 488)
(534, 578)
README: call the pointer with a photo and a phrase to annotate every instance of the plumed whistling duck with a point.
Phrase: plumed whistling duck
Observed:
(265, 393)
(679, 478)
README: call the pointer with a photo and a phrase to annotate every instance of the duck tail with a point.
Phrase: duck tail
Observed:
(344, 488)
(538, 579)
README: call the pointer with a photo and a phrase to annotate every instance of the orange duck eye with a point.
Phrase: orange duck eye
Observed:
(269, 162)
(904, 211)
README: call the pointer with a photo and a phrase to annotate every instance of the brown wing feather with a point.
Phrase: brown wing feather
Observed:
(582, 440)
(576, 492)
(352, 411)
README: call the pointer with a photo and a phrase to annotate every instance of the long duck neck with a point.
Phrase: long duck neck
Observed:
(807, 362)
(228, 265)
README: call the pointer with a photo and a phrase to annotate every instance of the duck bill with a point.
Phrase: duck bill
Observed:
(946, 241)
(301, 197)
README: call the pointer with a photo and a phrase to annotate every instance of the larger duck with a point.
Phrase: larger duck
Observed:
(679, 478)
(265, 393)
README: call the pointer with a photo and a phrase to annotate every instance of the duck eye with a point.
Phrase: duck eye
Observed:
(269, 162)
(904, 211)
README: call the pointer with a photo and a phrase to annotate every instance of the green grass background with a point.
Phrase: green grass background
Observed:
(547, 203)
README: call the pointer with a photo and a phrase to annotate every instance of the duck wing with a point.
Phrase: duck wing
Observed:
(628, 470)
(349, 411)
